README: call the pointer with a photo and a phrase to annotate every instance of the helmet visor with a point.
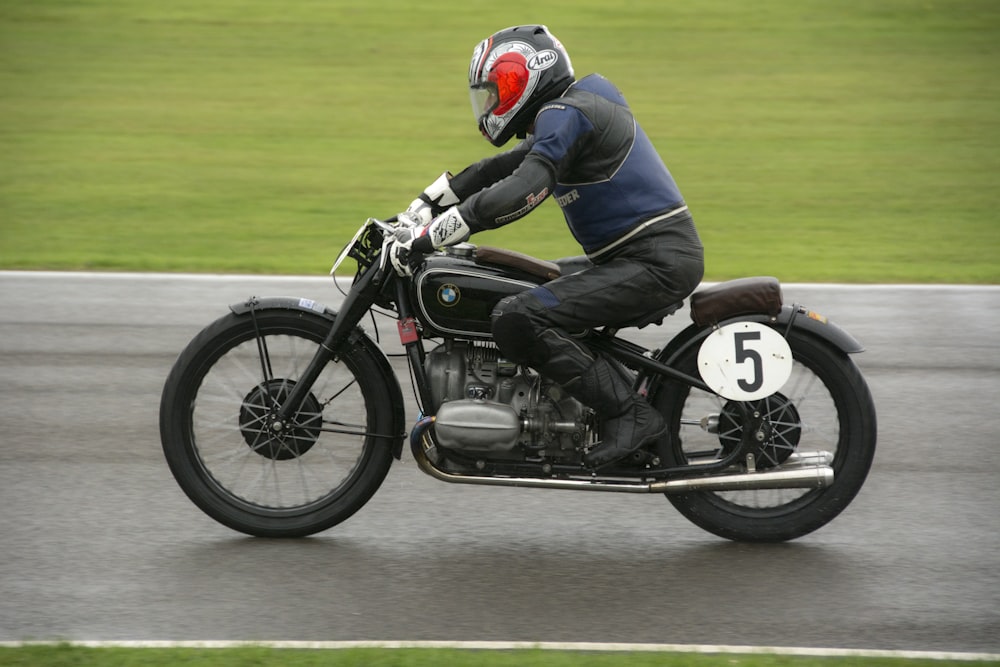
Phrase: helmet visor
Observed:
(484, 99)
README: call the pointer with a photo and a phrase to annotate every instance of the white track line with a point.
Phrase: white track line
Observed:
(510, 646)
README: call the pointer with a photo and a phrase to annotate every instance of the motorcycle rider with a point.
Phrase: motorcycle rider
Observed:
(582, 145)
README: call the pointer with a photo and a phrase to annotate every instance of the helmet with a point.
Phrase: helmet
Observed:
(512, 74)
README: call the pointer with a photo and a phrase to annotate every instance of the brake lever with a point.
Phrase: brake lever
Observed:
(385, 225)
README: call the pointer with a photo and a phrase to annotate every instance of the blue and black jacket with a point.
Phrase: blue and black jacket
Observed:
(586, 150)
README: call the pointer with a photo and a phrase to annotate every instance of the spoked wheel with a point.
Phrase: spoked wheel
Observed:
(243, 465)
(823, 415)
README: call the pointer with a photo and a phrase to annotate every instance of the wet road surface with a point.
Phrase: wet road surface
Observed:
(98, 542)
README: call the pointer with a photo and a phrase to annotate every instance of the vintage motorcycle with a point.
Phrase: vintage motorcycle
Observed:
(282, 417)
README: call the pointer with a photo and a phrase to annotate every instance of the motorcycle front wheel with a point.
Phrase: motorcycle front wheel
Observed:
(823, 413)
(219, 438)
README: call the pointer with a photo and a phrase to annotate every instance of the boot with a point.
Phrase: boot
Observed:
(627, 421)
(628, 432)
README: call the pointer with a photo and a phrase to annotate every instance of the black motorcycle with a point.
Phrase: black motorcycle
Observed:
(281, 418)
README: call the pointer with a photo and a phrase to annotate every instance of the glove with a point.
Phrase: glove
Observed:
(434, 200)
(413, 242)
(401, 253)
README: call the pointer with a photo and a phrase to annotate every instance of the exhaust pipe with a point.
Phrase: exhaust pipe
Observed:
(801, 476)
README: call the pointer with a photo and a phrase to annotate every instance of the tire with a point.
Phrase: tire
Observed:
(825, 406)
(309, 477)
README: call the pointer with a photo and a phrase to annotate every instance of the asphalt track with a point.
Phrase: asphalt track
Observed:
(98, 543)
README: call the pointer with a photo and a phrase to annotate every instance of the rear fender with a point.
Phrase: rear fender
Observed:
(314, 308)
(791, 317)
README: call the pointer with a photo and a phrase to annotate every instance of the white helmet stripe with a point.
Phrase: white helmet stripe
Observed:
(478, 60)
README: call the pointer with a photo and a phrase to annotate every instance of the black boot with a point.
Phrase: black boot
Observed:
(627, 421)
(639, 426)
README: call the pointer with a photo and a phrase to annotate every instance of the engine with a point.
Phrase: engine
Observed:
(488, 406)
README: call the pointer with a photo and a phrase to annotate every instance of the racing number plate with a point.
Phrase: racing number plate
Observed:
(745, 361)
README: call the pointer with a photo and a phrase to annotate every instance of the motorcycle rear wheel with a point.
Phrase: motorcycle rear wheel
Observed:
(216, 432)
(825, 406)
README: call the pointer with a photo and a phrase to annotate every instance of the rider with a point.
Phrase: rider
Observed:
(582, 145)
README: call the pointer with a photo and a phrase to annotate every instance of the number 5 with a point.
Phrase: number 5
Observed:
(742, 354)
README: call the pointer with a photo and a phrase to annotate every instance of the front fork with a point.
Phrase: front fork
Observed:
(359, 299)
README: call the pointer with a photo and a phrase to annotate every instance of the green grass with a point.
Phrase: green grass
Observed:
(60, 656)
(817, 141)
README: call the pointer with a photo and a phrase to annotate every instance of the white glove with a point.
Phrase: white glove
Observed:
(402, 247)
(434, 199)
(448, 229)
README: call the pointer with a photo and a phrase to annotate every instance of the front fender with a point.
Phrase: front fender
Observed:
(388, 376)
(790, 317)
(282, 303)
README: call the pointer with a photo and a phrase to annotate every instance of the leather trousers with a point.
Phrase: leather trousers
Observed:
(656, 268)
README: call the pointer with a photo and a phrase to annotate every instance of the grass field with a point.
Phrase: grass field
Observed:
(817, 141)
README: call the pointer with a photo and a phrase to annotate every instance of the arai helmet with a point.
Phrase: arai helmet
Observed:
(512, 74)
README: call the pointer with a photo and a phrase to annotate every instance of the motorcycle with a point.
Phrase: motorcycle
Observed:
(282, 417)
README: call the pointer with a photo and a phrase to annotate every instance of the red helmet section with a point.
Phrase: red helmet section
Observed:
(510, 74)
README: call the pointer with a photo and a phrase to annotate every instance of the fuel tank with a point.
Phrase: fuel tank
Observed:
(455, 295)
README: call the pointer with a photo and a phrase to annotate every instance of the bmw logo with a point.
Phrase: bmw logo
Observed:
(448, 295)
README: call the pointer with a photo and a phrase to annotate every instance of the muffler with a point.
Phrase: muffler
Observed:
(799, 477)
